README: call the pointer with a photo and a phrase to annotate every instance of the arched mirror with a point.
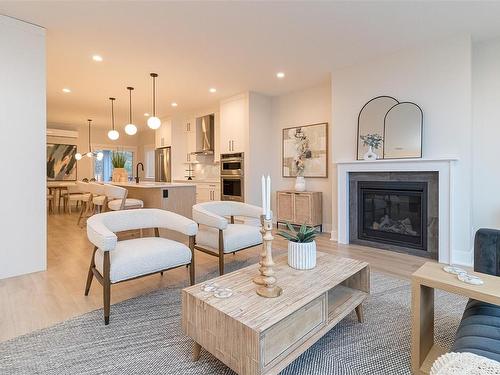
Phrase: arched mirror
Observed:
(371, 123)
(403, 131)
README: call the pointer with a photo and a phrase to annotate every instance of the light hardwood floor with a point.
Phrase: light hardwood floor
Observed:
(41, 299)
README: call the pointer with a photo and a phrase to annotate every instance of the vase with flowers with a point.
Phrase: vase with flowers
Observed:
(373, 141)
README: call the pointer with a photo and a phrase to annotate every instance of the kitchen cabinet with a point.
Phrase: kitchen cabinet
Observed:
(206, 192)
(163, 135)
(233, 124)
(190, 139)
(299, 208)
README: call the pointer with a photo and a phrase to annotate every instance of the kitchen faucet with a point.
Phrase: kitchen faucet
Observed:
(137, 172)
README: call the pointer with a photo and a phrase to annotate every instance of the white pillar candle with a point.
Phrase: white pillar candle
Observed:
(263, 195)
(268, 198)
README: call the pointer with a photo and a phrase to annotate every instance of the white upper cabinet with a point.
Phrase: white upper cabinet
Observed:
(163, 135)
(190, 134)
(233, 124)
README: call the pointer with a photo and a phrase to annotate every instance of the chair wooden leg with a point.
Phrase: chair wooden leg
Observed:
(83, 209)
(192, 267)
(106, 288)
(221, 252)
(90, 275)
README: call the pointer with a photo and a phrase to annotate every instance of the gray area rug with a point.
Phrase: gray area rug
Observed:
(145, 337)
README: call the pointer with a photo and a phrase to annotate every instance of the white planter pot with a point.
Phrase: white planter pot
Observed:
(300, 183)
(370, 155)
(302, 256)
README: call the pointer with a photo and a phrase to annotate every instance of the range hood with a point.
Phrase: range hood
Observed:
(205, 135)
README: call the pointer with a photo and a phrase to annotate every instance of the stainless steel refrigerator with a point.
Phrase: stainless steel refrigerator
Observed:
(163, 165)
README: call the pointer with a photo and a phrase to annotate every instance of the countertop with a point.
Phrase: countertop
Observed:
(199, 181)
(151, 184)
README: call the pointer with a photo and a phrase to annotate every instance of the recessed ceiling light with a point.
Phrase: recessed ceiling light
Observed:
(174, 104)
(66, 90)
(212, 90)
(97, 58)
(146, 114)
(280, 75)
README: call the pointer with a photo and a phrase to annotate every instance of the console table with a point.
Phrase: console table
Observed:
(423, 282)
(257, 335)
(299, 208)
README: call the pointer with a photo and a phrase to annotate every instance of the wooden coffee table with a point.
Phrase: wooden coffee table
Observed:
(427, 278)
(257, 335)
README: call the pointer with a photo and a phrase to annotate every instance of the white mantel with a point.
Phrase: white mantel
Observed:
(444, 167)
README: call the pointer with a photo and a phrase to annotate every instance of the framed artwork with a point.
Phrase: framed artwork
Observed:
(61, 162)
(305, 151)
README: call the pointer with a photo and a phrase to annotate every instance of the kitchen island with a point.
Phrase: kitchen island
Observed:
(175, 197)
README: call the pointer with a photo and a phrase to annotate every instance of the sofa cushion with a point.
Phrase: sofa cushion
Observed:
(236, 237)
(141, 256)
(479, 330)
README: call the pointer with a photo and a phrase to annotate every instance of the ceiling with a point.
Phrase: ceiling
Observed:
(233, 46)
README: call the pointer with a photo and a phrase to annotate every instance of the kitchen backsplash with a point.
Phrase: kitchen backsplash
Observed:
(206, 171)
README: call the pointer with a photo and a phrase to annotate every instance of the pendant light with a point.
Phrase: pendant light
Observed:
(130, 128)
(113, 134)
(98, 155)
(154, 122)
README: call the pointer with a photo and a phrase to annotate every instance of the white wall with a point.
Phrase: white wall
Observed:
(486, 134)
(22, 148)
(438, 78)
(257, 160)
(308, 106)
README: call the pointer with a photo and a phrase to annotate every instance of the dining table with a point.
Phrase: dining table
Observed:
(56, 188)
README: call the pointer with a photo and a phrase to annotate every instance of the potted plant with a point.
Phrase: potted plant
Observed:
(301, 246)
(118, 161)
(373, 141)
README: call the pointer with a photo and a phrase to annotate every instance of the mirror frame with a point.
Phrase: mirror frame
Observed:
(421, 131)
(384, 127)
(359, 116)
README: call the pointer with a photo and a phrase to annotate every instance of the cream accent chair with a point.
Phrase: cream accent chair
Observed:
(115, 261)
(117, 199)
(217, 236)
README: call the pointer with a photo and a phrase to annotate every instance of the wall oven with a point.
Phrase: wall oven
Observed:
(231, 164)
(232, 188)
(231, 174)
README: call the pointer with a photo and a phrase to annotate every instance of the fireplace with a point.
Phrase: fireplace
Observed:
(393, 212)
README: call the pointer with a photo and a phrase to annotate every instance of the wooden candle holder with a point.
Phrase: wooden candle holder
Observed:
(266, 279)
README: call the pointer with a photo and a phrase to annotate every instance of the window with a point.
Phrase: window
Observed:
(103, 169)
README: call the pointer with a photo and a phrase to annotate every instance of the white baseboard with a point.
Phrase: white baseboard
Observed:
(462, 258)
(334, 235)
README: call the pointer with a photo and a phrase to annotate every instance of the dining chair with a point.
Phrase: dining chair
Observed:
(79, 194)
(117, 199)
(50, 201)
(99, 198)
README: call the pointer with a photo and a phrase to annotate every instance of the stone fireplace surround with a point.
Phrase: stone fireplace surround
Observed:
(444, 169)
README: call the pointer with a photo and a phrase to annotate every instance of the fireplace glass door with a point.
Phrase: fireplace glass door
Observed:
(393, 213)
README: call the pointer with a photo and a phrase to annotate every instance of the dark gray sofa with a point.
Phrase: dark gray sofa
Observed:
(479, 330)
